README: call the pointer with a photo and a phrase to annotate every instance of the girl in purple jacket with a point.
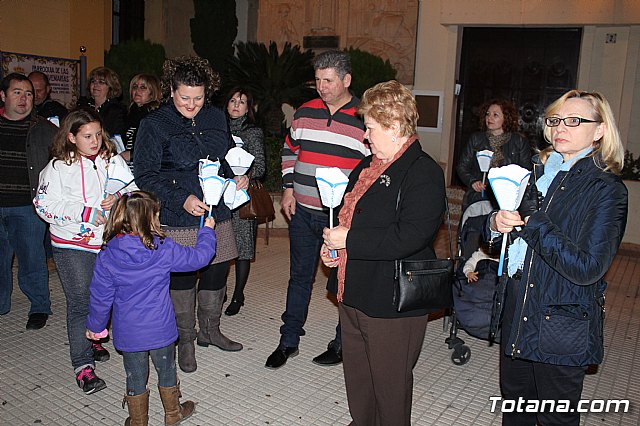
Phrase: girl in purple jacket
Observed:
(131, 276)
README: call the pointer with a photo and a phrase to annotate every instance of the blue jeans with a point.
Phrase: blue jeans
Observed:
(75, 269)
(305, 240)
(22, 233)
(136, 365)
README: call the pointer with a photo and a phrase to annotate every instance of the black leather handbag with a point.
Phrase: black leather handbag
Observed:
(425, 284)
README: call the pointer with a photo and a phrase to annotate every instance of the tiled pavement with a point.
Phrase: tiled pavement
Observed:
(37, 385)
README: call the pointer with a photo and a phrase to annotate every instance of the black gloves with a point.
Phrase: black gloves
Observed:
(531, 202)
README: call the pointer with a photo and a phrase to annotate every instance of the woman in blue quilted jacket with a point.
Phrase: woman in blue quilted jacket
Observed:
(170, 142)
(572, 222)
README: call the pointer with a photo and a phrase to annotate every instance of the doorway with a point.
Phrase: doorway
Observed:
(530, 66)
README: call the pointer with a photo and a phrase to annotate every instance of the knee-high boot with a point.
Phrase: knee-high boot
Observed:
(242, 275)
(184, 304)
(174, 411)
(138, 406)
(209, 311)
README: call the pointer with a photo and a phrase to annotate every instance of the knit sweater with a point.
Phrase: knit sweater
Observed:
(319, 139)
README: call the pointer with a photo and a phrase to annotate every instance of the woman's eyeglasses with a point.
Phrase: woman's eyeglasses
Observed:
(568, 121)
(97, 81)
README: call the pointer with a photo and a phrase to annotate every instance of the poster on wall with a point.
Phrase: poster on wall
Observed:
(63, 73)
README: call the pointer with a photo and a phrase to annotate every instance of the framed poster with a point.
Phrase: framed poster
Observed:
(63, 74)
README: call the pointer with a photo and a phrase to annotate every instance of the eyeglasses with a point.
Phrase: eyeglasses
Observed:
(568, 121)
(141, 87)
(94, 81)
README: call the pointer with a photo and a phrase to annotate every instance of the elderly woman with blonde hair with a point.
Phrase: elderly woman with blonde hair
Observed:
(392, 209)
(551, 303)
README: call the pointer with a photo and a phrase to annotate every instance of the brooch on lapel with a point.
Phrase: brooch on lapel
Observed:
(385, 180)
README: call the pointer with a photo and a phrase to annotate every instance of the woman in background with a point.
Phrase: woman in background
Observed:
(499, 133)
(242, 123)
(144, 90)
(105, 89)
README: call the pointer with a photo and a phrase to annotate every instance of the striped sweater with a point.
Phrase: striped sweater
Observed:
(319, 139)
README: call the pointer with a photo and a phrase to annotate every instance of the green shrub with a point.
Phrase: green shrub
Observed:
(134, 57)
(631, 169)
(368, 70)
(273, 150)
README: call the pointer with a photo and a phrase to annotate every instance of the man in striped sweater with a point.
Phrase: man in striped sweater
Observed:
(325, 132)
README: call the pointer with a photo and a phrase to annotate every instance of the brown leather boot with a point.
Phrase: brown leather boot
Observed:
(138, 406)
(174, 412)
(184, 305)
(209, 312)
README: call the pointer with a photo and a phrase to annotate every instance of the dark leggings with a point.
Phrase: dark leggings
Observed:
(212, 277)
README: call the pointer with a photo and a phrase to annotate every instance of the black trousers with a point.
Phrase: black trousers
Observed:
(212, 277)
(531, 380)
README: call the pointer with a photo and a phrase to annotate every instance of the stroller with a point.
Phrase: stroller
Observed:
(472, 301)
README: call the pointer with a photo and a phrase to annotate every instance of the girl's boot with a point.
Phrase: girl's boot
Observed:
(174, 412)
(138, 406)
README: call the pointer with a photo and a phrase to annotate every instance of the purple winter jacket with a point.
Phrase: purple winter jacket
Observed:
(135, 282)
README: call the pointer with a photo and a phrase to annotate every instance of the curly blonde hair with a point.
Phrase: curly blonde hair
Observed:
(191, 71)
(391, 102)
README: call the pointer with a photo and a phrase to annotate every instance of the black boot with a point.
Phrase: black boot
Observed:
(209, 311)
(184, 304)
(242, 275)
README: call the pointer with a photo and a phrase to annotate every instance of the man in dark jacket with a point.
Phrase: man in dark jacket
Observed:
(44, 106)
(24, 143)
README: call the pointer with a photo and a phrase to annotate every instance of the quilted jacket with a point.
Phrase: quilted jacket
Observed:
(168, 147)
(558, 302)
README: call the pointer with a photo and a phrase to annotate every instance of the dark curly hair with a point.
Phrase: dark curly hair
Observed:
(189, 71)
(508, 110)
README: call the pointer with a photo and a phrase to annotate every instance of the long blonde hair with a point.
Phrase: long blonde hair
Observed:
(609, 146)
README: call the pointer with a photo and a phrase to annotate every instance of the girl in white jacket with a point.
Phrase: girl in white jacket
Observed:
(74, 199)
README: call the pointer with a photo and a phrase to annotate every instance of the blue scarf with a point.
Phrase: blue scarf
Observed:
(553, 165)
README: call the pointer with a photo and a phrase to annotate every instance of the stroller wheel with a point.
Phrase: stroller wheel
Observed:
(461, 354)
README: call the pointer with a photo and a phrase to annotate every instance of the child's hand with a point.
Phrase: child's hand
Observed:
(210, 222)
(472, 276)
(96, 336)
(108, 202)
(100, 218)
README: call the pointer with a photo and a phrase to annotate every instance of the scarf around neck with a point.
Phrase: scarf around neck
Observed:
(554, 164)
(496, 142)
(367, 177)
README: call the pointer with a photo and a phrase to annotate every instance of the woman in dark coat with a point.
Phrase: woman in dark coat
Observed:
(392, 210)
(105, 89)
(239, 107)
(169, 144)
(552, 303)
(145, 93)
(499, 125)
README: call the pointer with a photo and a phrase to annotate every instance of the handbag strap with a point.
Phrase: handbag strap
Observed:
(446, 203)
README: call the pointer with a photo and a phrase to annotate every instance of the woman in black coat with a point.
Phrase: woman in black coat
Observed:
(105, 89)
(392, 210)
(170, 142)
(499, 133)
